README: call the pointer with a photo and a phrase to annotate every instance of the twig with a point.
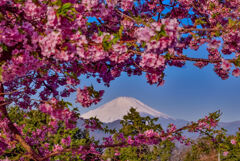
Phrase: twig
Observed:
(8, 93)
(139, 66)
(183, 58)
(199, 29)
(129, 17)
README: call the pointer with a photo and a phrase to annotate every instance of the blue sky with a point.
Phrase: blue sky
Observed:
(188, 93)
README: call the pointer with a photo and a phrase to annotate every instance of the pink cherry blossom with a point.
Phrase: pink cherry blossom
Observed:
(130, 141)
(236, 72)
(57, 148)
(149, 133)
(144, 34)
(201, 64)
(214, 44)
(226, 65)
(83, 97)
(225, 153)
(233, 141)
(126, 4)
(66, 141)
(156, 26)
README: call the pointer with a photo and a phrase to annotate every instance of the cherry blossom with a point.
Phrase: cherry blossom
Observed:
(233, 141)
(225, 153)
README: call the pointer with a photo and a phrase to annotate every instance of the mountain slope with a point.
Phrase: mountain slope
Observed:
(117, 108)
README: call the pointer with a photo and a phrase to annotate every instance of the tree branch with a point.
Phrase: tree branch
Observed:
(15, 131)
(8, 93)
(184, 58)
(199, 29)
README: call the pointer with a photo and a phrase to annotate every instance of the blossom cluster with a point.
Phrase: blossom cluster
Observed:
(84, 97)
(58, 112)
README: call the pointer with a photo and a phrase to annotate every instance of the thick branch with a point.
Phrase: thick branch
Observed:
(15, 131)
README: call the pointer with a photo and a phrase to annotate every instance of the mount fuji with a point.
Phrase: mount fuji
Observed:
(112, 113)
(117, 108)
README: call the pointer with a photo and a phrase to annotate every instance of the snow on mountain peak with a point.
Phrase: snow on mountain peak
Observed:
(117, 108)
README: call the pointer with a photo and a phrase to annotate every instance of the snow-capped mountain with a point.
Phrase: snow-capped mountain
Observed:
(117, 108)
(112, 112)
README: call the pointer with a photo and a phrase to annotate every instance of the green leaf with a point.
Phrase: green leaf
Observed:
(211, 5)
(143, 44)
(200, 21)
(57, 2)
(4, 47)
(161, 33)
(217, 33)
(106, 38)
(115, 39)
(100, 33)
(107, 45)
(237, 62)
(66, 6)
(120, 31)
(63, 11)
(231, 22)
(167, 56)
